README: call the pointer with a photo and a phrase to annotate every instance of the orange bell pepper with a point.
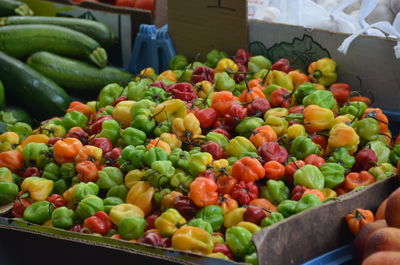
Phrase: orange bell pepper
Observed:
(37, 138)
(228, 203)
(66, 150)
(250, 94)
(222, 101)
(80, 107)
(317, 119)
(157, 142)
(89, 153)
(379, 116)
(13, 160)
(203, 192)
(168, 200)
(248, 169)
(87, 171)
(225, 184)
(316, 192)
(141, 195)
(265, 204)
(274, 170)
(263, 134)
(298, 78)
(355, 179)
(358, 218)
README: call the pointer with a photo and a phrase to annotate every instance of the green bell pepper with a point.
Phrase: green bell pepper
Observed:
(218, 138)
(156, 179)
(131, 227)
(110, 129)
(38, 212)
(110, 202)
(212, 214)
(60, 186)
(199, 162)
(273, 218)
(237, 91)
(133, 136)
(142, 107)
(154, 154)
(36, 154)
(258, 63)
(156, 94)
(303, 147)
(74, 119)
(367, 128)
(21, 128)
(136, 90)
(51, 171)
(178, 62)
(381, 150)
(322, 98)
(355, 108)
(200, 223)
(6, 175)
(275, 191)
(119, 191)
(214, 56)
(108, 94)
(239, 145)
(287, 208)
(333, 174)
(144, 121)
(181, 181)
(307, 202)
(395, 155)
(342, 156)
(304, 90)
(67, 170)
(384, 171)
(82, 190)
(223, 81)
(62, 217)
(159, 195)
(239, 241)
(251, 259)
(248, 125)
(179, 158)
(163, 167)
(184, 75)
(162, 127)
(132, 157)
(88, 207)
(8, 192)
(309, 176)
(109, 177)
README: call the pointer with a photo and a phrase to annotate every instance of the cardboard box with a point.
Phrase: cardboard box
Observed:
(124, 22)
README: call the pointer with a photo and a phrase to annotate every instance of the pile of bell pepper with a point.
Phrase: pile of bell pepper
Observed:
(199, 157)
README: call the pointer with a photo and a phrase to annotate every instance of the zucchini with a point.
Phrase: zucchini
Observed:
(74, 75)
(24, 40)
(96, 30)
(39, 95)
(14, 7)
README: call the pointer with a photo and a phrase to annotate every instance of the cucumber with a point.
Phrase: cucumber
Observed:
(19, 114)
(23, 40)
(76, 76)
(14, 7)
(96, 30)
(39, 95)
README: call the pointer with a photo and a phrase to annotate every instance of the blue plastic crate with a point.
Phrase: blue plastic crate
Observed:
(339, 256)
(394, 121)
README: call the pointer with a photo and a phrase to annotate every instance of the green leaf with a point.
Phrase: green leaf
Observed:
(258, 48)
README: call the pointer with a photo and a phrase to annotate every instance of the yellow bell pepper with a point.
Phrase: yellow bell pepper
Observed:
(6, 175)
(171, 140)
(37, 138)
(133, 177)
(323, 71)
(281, 79)
(234, 217)
(279, 125)
(69, 194)
(193, 239)
(186, 129)
(148, 72)
(203, 89)
(347, 118)
(221, 166)
(168, 200)
(92, 105)
(226, 64)
(295, 130)
(8, 140)
(328, 193)
(51, 130)
(167, 75)
(157, 142)
(277, 112)
(342, 135)
(169, 221)
(122, 112)
(253, 228)
(169, 110)
(141, 195)
(39, 188)
(317, 119)
(121, 211)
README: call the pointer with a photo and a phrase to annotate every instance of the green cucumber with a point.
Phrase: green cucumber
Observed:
(14, 7)
(96, 30)
(24, 40)
(39, 95)
(74, 75)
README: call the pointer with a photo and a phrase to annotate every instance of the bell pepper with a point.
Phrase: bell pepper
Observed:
(184, 206)
(246, 126)
(383, 171)
(157, 142)
(88, 207)
(8, 192)
(357, 219)
(213, 57)
(162, 127)
(135, 90)
(133, 136)
(110, 202)
(203, 88)
(365, 159)
(38, 188)
(272, 151)
(323, 71)
(275, 191)
(171, 140)
(244, 192)
(263, 134)
(62, 217)
(395, 155)
(132, 157)
(193, 239)
(169, 222)
(309, 176)
(74, 119)
(178, 62)
(317, 119)
(108, 94)
(35, 138)
(187, 128)
(341, 92)
(354, 180)
(87, 171)
(159, 195)
(119, 191)
(180, 180)
(122, 112)
(355, 108)
(333, 174)
(278, 124)
(321, 98)
(51, 171)
(302, 147)
(341, 156)
(239, 241)
(5, 175)
(203, 192)
(133, 176)
(200, 223)
(273, 218)
(251, 259)
(287, 207)
(21, 128)
(97, 123)
(251, 227)
(306, 202)
(342, 135)
(109, 177)
(38, 212)
(153, 155)
(258, 63)
(198, 162)
(179, 158)
(381, 150)
(155, 94)
(81, 190)
(223, 82)
(302, 91)
(141, 195)
(36, 154)
(169, 110)
(142, 107)
(248, 169)
(239, 145)
(131, 227)
(99, 223)
(121, 211)
(295, 130)
(143, 121)
(281, 79)
(212, 214)
(164, 168)
(110, 130)
(217, 138)
(226, 65)
(8, 140)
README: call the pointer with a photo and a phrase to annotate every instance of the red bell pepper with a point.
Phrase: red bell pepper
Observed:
(19, 207)
(272, 151)
(297, 192)
(242, 57)
(183, 91)
(244, 192)
(202, 73)
(214, 149)
(365, 159)
(224, 249)
(102, 143)
(258, 107)
(340, 91)
(99, 223)
(282, 65)
(57, 200)
(206, 117)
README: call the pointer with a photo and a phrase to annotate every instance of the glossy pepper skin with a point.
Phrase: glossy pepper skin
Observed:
(212, 214)
(62, 217)
(275, 191)
(141, 195)
(193, 239)
(333, 174)
(239, 241)
(198, 163)
(200, 223)
(341, 156)
(239, 145)
(385, 170)
(109, 177)
(99, 223)
(121, 211)
(309, 176)
(38, 212)
(35, 154)
(302, 147)
(321, 98)
(108, 94)
(203, 192)
(244, 192)
(132, 157)
(342, 135)
(248, 169)
(179, 158)
(273, 218)
(355, 108)
(357, 219)
(74, 119)
(306, 202)
(39, 188)
(169, 222)
(110, 129)
(131, 227)
(8, 192)
(154, 154)
(88, 207)
(323, 71)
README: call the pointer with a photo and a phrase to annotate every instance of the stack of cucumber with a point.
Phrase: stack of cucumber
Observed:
(43, 59)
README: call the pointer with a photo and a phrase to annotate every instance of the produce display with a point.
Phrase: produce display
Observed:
(377, 236)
